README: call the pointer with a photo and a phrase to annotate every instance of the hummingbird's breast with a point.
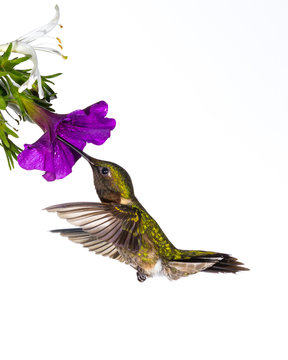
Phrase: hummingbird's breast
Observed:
(155, 248)
(145, 259)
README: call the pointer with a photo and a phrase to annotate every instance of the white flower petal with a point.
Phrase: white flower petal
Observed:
(27, 49)
(50, 50)
(42, 30)
(22, 46)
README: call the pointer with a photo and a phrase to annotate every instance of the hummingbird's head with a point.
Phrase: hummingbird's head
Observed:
(112, 182)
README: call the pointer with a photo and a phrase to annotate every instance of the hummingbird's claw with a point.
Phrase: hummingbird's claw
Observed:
(140, 276)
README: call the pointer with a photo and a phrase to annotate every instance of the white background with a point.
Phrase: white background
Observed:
(199, 92)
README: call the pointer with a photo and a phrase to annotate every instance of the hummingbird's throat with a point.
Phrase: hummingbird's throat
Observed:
(124, 201)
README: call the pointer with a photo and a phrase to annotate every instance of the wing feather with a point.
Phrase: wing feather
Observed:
(89, 241)
(111, 223)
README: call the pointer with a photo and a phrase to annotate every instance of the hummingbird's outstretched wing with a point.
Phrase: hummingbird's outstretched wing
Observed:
(91, 242)
(107, 222)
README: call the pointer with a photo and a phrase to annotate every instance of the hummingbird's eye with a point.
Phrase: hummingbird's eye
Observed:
(104, 171)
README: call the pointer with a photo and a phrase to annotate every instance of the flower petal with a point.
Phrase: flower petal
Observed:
(37, 155)
(100, 109)
(63, 160)
(56, 158)
(42, 30)
(89, 125)
(79, 127)
(91, 135)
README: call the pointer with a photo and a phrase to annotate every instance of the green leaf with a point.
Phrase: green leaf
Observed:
(17, 61)
(3, 92)
(11, 151)
(48, 90)
(2, 103)
(51, 76)
(7, 53)
(3, 84)
(4, 138)
(16, 95)
(49, 81)
(10, 155)
(18, 77)
(11, 132)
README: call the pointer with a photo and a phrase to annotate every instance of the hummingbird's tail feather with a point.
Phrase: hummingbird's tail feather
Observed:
(190, 262)
(228, 264)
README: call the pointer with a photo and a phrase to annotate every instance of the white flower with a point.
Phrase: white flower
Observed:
(22, 45)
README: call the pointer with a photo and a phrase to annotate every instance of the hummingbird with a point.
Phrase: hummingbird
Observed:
(119, 227)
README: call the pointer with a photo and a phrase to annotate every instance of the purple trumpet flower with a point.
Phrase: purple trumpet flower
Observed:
(79, 127)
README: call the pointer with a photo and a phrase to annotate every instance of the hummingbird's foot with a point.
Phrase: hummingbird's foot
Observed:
(140, 276)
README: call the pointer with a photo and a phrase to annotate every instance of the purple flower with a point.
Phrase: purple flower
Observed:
(79, 127)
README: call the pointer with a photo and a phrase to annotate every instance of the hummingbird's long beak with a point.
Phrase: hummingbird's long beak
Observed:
(82, 153)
